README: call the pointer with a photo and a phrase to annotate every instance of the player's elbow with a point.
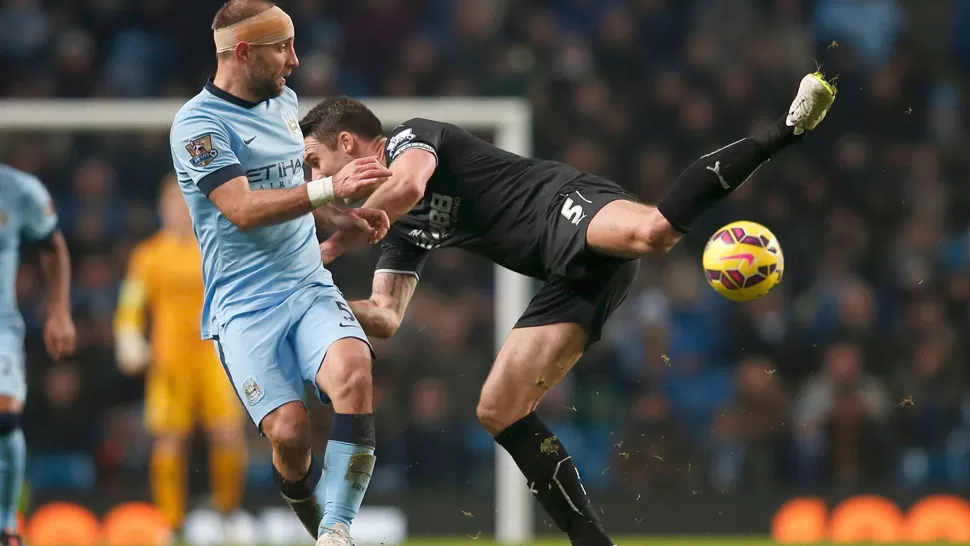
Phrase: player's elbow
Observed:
(410, 190)
(243, 219)
(386, 324)
(386, 327)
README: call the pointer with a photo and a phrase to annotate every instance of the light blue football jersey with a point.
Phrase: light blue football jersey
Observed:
(26, 215)
(217, 137)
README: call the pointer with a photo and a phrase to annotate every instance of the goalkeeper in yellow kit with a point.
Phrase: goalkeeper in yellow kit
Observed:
(185, 383)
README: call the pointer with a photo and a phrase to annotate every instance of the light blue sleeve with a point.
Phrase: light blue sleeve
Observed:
(202, 151)
(39, 219)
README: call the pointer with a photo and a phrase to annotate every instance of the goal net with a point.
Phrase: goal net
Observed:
(508, 120)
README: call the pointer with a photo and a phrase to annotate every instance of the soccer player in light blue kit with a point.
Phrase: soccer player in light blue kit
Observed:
(276, 317)
(27, 222)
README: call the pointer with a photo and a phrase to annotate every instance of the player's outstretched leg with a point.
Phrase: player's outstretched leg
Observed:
(13, 458)
(346, 378)
(631, 230)
(532, 361)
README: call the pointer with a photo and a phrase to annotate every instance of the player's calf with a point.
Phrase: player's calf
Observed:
(288, 430)
(532, 361)
(12, 466)
(715, 175)
(297, 473)
(345, 376)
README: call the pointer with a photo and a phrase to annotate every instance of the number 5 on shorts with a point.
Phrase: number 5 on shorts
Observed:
(348, 319)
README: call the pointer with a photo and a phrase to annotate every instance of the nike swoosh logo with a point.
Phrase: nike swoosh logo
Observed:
(250, 140)
(746, 257)
(346, 325)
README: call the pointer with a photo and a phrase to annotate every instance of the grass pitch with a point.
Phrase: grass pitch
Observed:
(621, 541)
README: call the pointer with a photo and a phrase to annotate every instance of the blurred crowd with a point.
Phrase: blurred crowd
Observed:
(851, 373)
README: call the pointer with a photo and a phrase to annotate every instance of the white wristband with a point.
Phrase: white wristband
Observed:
(320, 191)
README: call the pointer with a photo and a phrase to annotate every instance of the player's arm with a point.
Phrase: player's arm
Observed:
(60, 334)
(381, 315)
(409, 176)
(202, 150)
(395, 278)
(41, 232)
(404, 189)
(249, 209)
(365, 221)
(132, 350)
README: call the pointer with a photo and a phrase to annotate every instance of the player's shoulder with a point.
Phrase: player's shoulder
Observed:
(23, 184)
(421, 133)
(14, 174)
(199, 114)
(416, 124)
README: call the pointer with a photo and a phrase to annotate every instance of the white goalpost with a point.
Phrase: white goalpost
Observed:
(509, 119)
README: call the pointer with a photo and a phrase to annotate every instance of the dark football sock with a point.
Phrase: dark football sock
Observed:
(554, 480)
(13, 456)
(306, 496)
(714, 176)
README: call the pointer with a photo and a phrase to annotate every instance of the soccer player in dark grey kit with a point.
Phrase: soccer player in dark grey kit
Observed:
(581, 234)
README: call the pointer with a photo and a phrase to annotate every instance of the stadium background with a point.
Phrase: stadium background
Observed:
(709, 414)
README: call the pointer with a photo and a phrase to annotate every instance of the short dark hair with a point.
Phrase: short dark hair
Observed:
(235, 11)
(337, 114)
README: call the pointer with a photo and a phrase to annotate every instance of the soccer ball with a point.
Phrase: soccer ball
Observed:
(743, 261)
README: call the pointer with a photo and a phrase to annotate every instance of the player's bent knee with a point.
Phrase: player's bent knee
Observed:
(354, 387)
(288, 428)
(495, 419)
(489, 418)
(655, 236)
(346, 374)
(496, 412)
(631, 230)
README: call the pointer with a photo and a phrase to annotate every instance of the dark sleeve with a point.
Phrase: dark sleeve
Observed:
(399, 255)
(417, 133)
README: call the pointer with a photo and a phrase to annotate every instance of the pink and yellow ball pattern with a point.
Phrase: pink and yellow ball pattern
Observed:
(743, 261)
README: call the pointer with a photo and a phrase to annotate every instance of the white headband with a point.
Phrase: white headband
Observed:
(269, 27)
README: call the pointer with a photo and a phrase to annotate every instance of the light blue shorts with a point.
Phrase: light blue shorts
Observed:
(272, 354)
(13, 382)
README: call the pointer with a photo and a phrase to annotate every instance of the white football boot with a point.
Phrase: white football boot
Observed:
(815, 96)
(338, 535)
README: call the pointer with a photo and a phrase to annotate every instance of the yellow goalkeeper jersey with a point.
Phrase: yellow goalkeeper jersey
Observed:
(165, 278)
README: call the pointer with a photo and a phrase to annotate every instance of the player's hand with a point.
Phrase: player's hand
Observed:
(372, 223)
(355, 227)
(359, 178)
(330, 250)
(60, 336)
(132, 353)
(378, 222)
